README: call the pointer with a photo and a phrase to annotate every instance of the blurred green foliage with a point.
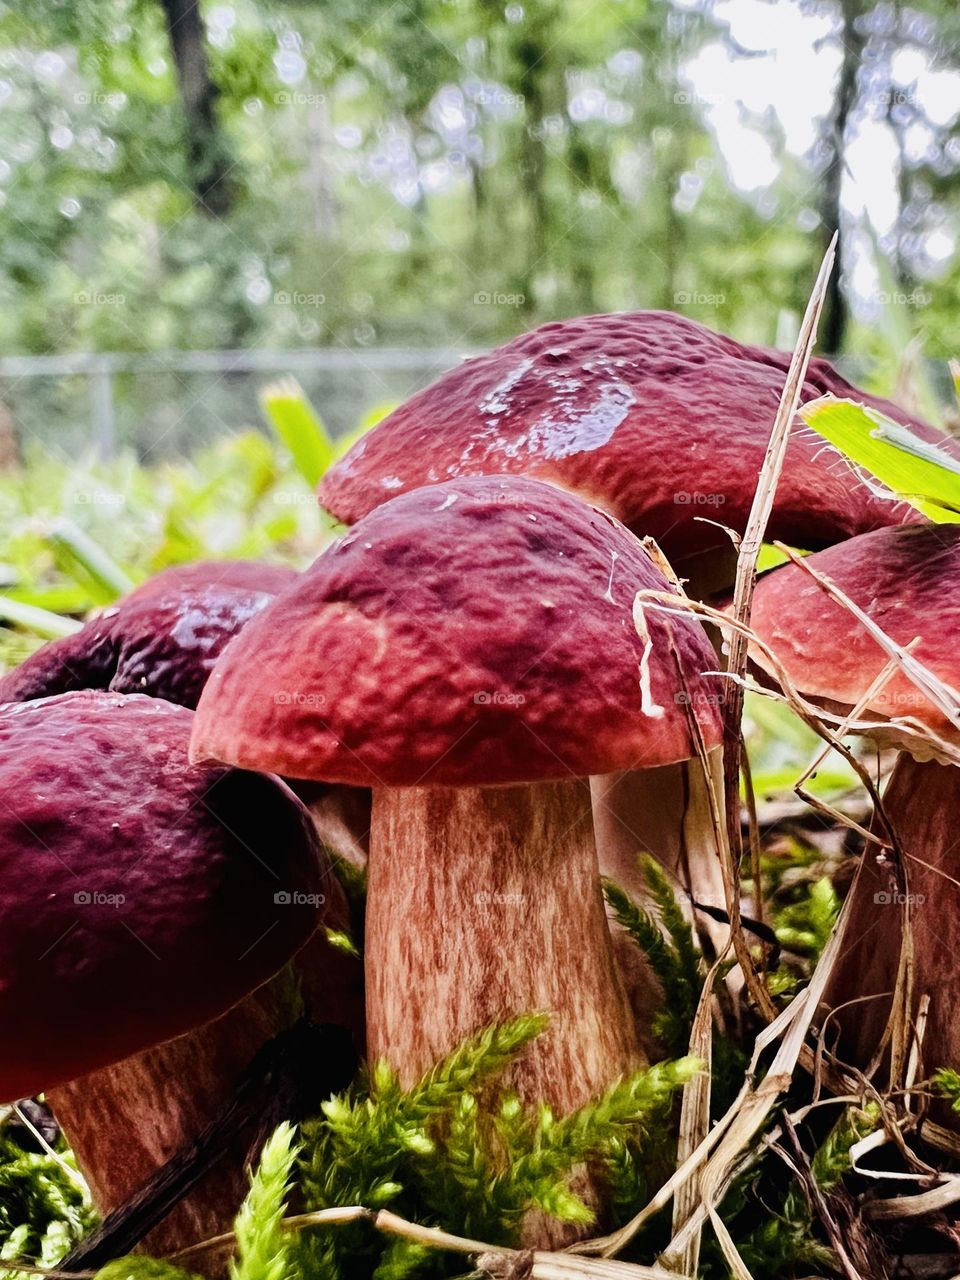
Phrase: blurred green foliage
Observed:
(451, 169)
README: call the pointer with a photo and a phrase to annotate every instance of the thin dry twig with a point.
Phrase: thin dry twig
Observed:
(491, 1260)
(736, 662)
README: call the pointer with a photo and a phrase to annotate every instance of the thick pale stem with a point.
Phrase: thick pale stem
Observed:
(922, 804)
(127, 1120)
(484, 903)
(664, 812)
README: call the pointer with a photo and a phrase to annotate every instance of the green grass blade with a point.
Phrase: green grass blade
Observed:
(51, 626)
(299, 427)
(78, 551)
(913, 469)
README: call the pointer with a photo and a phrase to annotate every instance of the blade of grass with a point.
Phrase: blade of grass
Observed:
(79, 551)
(913, 469)
(51, 626)
(299, 427)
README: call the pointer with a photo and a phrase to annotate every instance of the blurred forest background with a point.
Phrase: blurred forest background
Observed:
(440, 174)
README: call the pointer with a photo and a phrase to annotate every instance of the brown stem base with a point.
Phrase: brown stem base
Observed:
(921, 802)
(663, 812)
(127, 1120)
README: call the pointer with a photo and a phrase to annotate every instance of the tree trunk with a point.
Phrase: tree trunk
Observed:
(208, 158)
(835, 314)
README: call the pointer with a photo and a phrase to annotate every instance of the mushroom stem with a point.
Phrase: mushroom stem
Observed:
(484, 904)
(125, 1121)
(921, 802)
(664, 812)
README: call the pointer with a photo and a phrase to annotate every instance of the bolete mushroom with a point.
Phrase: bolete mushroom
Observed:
(469, 652)
(665, 424)
(906, 581)
(162, 639)
(647, 414)
(142, 899)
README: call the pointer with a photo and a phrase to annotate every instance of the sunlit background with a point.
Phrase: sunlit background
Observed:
(382, 187)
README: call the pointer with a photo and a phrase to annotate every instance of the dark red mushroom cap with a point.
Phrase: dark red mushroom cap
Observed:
(650, 415)
(138, 892)
(907, 581)
(162, 639)
(473, 633)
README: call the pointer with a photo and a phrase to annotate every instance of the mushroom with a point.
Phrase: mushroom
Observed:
(142, 899)
(665, 424)
(649, 415)
(469, 652)
(906, 581)
(162, 640)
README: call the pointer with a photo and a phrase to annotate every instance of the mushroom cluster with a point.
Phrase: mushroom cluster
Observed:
(475, 696)
(905, 582)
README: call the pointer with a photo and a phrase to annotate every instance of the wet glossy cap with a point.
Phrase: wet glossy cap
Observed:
(907, 581)
(162, 639)
(650, 415)
(140, 895)
(473, 633)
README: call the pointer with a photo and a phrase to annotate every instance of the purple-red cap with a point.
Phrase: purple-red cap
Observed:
(475, 633)
(907, 581)
(162, 639)
(647, 414)
(140, 895)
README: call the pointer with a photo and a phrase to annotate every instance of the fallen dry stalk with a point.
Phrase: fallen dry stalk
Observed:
(736, 663)
(491, 1260)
